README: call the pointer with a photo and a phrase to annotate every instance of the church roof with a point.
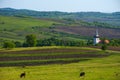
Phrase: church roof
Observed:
(96, 36)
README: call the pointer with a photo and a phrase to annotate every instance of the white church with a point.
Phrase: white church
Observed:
(96, 38)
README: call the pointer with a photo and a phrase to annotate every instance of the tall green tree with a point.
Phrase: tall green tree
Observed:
(31, 40)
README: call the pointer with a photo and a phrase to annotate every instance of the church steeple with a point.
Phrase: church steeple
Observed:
(96, 34)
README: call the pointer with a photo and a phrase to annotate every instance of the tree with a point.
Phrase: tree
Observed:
(8, 45)
(18, 44)
(90, 42)
(104, 47)
(31, 40)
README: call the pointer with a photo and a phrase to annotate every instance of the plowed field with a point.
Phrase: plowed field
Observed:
(48, 56)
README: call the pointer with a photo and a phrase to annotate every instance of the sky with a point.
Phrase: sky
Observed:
(64, 5)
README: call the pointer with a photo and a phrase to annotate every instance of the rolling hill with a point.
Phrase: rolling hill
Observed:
(16, 24)
(110, 18)
(17, 28)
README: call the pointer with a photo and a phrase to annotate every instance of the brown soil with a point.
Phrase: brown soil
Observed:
(52, 57)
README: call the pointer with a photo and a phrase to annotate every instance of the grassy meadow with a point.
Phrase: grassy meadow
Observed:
(95, 67)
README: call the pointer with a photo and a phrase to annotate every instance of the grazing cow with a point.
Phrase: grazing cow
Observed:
(22, 75)
(82, 74)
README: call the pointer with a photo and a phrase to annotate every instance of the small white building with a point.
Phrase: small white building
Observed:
(96, 39)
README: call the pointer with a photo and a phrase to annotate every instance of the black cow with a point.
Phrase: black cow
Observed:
(22, 75)
(82, 74)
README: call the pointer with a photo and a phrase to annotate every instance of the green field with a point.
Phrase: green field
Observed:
(17, 28)
(98, 67)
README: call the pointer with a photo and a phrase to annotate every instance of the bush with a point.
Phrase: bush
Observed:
(18, 44)
(104, 47)
(8, 45)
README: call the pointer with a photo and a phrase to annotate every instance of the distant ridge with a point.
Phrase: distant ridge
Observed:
(111, 18)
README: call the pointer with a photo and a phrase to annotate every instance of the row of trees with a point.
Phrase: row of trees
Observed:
(114, 42)
(31, 41)
(59, 42)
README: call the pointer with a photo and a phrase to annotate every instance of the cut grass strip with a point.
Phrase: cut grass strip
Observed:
(48, 47)
(46, 54)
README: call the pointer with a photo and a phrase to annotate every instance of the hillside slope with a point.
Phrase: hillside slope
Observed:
(16, 28)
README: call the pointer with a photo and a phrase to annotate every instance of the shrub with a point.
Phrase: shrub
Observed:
(8, 45)
(18, 44)
(104, 47)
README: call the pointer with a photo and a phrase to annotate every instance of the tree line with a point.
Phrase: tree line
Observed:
(31, 41)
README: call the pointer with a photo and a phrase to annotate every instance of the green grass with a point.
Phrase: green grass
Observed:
(23, 23)
(48, 47)
(45, 54)
(95, 68)
(34, 48)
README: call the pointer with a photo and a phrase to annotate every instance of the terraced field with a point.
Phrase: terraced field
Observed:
(48, 56)
(59, 63)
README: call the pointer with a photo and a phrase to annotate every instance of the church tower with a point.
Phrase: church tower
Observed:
(96, 39)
